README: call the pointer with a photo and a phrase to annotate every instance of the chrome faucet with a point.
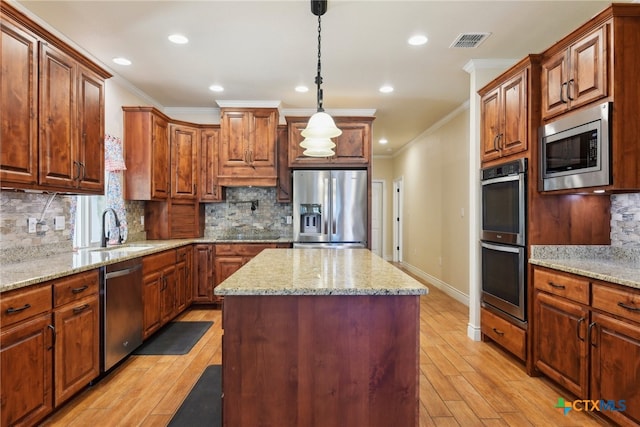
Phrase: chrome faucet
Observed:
(103, 242)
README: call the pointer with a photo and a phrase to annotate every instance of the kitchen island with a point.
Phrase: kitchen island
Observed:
(320, 337)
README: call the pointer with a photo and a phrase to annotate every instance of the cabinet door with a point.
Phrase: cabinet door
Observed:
(554, 78)
(58, 164)
(226, 266)
(151, 300)
(234, 146)
(262, 149)
(353, 145)
(90, 155)
(184, 171)
(208, 188)
(19, 105)
(513, 111)
(560, 345)
(26, 366)
(168, 294)
(490, 127)
(182, 279)
(589, 77)
(160, 158)
(284, 191)
(615, 374)
(203, 273)
(77, 347)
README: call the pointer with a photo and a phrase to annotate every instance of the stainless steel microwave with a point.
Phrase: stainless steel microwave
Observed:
(575, 150)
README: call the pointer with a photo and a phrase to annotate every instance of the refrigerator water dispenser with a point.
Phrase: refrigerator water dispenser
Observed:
(310, 218)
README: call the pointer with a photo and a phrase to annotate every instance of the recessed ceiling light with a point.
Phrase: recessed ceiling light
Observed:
(302, 89)
(383, 141)
(216, 88)
(178, 39)
(386, 89)
(417, 40)
(121, 61)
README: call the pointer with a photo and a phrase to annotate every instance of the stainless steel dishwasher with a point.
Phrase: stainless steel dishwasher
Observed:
(122, 311)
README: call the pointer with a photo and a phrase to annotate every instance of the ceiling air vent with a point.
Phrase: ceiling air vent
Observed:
(470, 40)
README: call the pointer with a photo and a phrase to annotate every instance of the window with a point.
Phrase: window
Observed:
(88, 217)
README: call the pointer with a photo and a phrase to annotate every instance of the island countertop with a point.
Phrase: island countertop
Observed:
(319, 272)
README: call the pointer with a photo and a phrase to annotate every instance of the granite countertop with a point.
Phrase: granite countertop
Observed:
(607, 263)
(40, 269)
(319, 272)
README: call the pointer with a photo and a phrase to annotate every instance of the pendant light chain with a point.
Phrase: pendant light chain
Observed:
(319, 76)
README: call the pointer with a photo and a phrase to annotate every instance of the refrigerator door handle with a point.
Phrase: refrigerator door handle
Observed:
(334, 190)
(325, 208)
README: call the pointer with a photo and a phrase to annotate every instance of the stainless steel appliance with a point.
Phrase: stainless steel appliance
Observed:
(504, 253)
(330, 208)
(575, 150)
(122, 311)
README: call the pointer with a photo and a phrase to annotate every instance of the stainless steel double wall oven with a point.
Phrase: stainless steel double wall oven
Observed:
(503, 240)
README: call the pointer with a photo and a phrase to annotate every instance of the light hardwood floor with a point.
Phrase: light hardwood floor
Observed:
(462, 382)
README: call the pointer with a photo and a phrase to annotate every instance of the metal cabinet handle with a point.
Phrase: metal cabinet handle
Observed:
(79, 171)
(53, 336)
(591, 325)
(12, 310)
(562, 98)
(569, 85)
(80, 309)
(580, 320)
(499, 332)
(555, 285)
(80, 289)
(628, 307)
(495, 142)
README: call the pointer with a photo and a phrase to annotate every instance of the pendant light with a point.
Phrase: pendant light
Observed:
(321, 127)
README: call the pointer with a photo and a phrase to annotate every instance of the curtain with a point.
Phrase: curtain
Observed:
(114, 166)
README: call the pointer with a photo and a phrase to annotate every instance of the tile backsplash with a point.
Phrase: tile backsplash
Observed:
(625, 220)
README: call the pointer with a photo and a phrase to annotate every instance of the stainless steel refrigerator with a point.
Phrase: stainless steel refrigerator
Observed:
(330, 208)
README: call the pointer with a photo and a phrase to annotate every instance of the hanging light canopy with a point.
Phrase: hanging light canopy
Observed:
(321, 127)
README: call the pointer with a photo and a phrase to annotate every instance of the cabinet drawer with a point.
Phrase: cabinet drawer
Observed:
(575, 288)
(617, 300)
(242, 249)
(155, 262)
(508, 335)
(75, 287)
(24, 303)
(181, 253)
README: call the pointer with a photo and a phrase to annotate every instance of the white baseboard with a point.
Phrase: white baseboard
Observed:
(443, 286)
(474, 332)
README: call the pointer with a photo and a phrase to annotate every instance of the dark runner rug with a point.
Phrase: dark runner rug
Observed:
(203, 405)
(175, 338)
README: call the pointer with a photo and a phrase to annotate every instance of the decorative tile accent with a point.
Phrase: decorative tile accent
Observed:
(235, 215)
(625, 220)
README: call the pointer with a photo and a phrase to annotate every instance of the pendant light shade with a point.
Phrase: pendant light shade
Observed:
(321, 127)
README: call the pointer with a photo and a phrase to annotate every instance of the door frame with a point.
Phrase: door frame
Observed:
(383, 199)
(397, 218)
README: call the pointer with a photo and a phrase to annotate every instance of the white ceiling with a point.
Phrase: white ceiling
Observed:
(261, 50)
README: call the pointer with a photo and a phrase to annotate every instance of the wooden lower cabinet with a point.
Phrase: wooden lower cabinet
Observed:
(230, 257)
(77, 356)
(158, 290)
(504, 333)
(590, 349)
(560, 341)
(203, 273)
(26, 371)
(184, 282)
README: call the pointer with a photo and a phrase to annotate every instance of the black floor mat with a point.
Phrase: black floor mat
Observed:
(203, 405)
(175, 338)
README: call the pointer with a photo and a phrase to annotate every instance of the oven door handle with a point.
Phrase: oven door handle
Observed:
(507, 178)
(502, 248)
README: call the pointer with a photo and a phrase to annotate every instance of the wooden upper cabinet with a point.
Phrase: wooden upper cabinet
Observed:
(184, 144)
(284, 192)
(576, 75)
(504, 114)
(353, 146)
(146, 148)
(52, 101)
(247, 151)
(208, 189)
(19, 105)
(58, 166)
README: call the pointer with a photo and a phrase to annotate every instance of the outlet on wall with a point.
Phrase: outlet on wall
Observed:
(31, 225)
(58, 223)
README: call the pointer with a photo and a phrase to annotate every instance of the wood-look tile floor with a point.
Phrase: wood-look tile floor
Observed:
(462, 382)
